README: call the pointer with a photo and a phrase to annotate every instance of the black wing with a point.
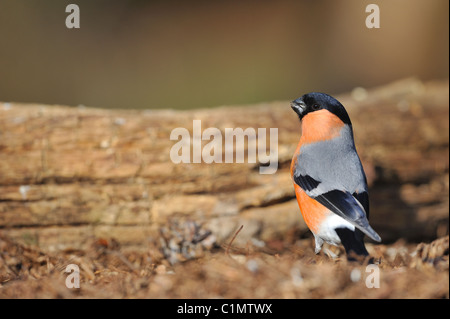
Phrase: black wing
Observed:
(354, 210)
(306, 182)
(363, 198)
(348, 207)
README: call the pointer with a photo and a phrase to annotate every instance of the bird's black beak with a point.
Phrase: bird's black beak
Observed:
(299, 107)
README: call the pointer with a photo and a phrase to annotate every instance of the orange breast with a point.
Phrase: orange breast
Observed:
(312, 211)
(320, 126)
(294, 158)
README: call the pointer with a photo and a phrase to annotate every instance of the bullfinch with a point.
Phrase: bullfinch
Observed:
(329, 179)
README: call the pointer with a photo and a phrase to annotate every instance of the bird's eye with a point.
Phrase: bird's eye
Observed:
(316, 106)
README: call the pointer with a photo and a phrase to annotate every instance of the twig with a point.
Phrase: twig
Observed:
(232, 239)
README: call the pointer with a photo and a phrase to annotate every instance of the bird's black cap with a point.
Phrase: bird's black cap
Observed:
(316, 101)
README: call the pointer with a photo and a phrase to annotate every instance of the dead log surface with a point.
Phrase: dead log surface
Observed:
(71, 174)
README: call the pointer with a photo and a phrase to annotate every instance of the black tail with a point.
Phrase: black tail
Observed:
(353, 243)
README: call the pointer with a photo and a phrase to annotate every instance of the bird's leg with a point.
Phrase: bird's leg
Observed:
(319, 244)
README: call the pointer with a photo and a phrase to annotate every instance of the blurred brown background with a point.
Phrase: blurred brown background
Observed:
(175, 54)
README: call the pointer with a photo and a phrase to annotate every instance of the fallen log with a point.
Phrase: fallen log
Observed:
(70, 174)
